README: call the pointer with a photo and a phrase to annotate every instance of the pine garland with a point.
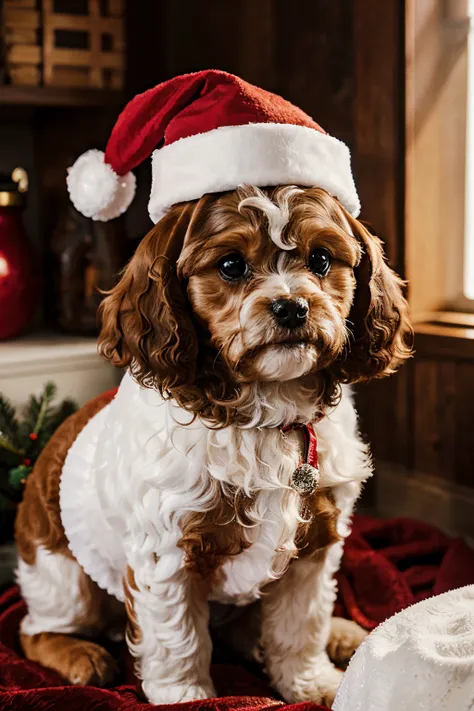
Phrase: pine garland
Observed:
(22, 442)
(9, 425)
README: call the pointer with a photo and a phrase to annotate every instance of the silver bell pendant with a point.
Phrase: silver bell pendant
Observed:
(305, 479)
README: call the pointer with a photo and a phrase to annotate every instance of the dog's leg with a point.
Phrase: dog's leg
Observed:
(169, 637)
(344, 639)
(62, 601)
(296, 622)
(79, 661)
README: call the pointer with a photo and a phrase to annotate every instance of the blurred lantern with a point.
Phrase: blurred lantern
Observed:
(87, 257)
(18, 277)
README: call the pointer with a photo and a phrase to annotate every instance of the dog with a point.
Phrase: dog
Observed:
(242, 319)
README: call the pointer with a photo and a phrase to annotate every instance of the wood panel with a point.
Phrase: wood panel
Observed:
(443, 407)
(445, 341)
(378, 159)
(314, 61)
(434, 418)
(386, 418)
(379, 119)
(302, 50)
(258, 44)
(464, 418)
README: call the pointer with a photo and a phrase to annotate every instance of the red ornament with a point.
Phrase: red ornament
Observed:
(18, 275)
(27, 462)
(33, 436)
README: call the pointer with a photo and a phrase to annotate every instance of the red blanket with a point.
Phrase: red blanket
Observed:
(387, 565)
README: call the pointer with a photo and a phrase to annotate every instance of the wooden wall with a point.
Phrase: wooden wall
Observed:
(302, 50)
(442, 388)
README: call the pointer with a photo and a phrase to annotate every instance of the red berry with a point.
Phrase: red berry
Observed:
(27, 462)
(33, 436)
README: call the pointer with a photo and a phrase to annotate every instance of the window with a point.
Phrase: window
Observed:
(440, 155)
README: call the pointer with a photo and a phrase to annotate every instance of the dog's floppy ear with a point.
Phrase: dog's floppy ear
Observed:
(146, 321)
(382, 335)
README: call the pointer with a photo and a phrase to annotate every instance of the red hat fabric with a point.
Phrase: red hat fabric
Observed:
(208, 132)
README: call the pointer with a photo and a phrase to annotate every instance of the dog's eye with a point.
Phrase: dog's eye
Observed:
(319, 261)
(233, 267)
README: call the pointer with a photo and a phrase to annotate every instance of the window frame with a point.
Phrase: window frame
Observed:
(436, 83)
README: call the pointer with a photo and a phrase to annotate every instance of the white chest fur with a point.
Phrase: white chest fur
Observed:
(140, 467)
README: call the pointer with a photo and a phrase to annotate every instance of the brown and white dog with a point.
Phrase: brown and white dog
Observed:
(240, 314)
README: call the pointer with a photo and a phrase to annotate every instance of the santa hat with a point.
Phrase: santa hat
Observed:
(208, 132)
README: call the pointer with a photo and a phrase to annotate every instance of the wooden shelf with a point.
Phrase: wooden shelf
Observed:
(45, 349)
(445, 318)
(435, 340)
(72, 362)
(41, 96)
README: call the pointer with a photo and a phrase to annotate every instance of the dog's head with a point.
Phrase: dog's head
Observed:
(250, 286)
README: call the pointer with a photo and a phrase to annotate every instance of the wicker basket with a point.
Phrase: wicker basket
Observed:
(65, 43)
(21, 21)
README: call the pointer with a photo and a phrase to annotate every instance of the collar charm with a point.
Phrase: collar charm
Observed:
(305, 479)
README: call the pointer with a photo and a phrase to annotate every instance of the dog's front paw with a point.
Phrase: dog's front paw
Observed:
(328, 688)
(88, 664)
(164, 693)
(320, 690)
(345, 637)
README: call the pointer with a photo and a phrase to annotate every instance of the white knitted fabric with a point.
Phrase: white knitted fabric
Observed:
(421, 659)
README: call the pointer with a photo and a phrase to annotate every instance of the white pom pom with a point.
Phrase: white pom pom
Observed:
(96, 190)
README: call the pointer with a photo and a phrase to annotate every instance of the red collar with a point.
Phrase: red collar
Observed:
(311, 443)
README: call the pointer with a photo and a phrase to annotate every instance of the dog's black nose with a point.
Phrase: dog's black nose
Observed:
(290, 313)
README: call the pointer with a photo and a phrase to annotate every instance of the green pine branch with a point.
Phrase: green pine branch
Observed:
(9, 425)
(48, 394)
(21, 446)
(36, 411)
(60, 413)
(9, 454)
